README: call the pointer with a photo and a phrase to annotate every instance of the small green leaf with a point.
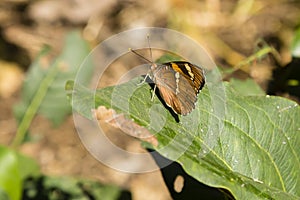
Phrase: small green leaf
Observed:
(10, 177)
(46, 187)
(14, 168)
(295, 47)
(246, 144)
(169, 57)
(28, 167)
(43, 89)
(3, 195)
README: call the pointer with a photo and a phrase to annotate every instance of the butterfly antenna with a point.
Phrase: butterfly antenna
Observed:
(148, 38)
(136, 53)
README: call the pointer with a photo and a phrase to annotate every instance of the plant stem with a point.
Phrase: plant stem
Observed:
(34, 105)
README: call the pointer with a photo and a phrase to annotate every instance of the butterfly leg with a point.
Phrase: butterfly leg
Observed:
(153, 93)
(141, 83)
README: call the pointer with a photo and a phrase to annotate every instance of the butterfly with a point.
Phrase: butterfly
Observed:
(178, 82)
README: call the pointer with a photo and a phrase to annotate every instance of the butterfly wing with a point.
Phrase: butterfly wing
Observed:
(191, 72)
(180, 103)
(177, 90)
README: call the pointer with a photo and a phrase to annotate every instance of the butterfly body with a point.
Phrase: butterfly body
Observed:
(179, 83)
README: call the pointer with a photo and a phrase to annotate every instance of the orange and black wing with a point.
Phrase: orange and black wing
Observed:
(177, 89)
(191, 72)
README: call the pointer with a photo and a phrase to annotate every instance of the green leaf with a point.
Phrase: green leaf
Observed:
(14, 169)
(68, 188)
(246, 87)
(3, 195)
(246, 144)
(10, 177)
(28, 167)
(43, 89)
(169, 57)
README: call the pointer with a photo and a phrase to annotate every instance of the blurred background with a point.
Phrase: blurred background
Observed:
(230, 30)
